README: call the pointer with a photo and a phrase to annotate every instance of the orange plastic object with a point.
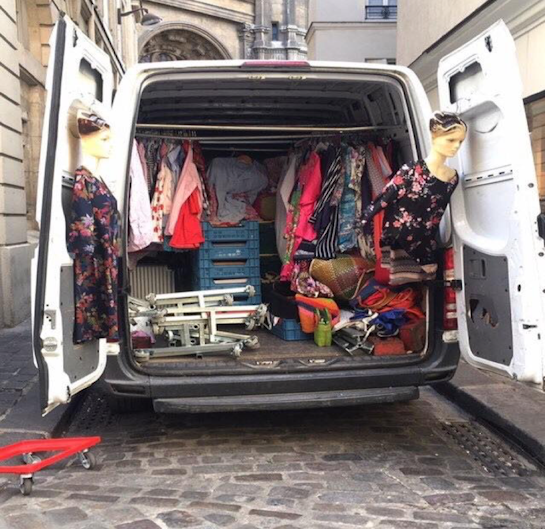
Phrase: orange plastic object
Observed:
(65, 447)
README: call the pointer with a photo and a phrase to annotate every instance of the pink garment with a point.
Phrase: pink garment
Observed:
(189, 181)
(140, 224)
(310, 182)
(298, 226)
(162, 202)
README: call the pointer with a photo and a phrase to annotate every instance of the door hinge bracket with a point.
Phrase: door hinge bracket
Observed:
(455, 284)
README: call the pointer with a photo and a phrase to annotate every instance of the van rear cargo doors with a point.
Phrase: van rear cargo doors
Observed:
(499, 254)
(79, 72)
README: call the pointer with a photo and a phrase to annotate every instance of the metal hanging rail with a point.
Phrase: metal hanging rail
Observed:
(294, 128)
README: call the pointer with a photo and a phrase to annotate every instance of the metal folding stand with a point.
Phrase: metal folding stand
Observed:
(190, 322)
(27, 449)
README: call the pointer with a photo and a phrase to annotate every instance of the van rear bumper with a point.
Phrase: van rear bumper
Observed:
(276, 390)
(285, 401)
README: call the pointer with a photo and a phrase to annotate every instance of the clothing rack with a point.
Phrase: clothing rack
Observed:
(291, 128)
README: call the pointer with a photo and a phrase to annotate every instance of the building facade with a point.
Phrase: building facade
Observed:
(228, 29)
(352, 30)
(25, 28)
(444, 25)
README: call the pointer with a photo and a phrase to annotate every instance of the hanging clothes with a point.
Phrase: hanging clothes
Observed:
(350, 206)
(189, 181)
(413, 202)
(142, 156)
(236, 184)
(161, 202)
(326, 213)
(310, 183)
(188, 230)
(285, 187)
(140, 223)
(93, 239)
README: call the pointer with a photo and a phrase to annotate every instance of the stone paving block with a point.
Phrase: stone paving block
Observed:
(139, 524)
(66, 516)
(275, 514)
(260, 477)
(215, 506)
(503, 496)
(221, 520)
(178, 519)
(446, 499)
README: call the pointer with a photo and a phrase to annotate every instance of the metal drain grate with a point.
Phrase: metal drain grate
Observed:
(495, 457)
(93, 414)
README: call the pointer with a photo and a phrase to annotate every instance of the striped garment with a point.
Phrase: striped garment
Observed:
(326, 215)
(402, 268)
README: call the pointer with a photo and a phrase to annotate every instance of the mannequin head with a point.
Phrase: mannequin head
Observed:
(448, 131)
(95, 136)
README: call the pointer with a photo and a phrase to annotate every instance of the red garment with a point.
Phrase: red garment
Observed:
(188, 231)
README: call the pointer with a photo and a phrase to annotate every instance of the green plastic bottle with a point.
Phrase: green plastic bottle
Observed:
(323, 336)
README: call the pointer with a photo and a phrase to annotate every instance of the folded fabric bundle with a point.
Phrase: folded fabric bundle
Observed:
(344, 275)
(380, 298)
(307, 311)
(389, 322)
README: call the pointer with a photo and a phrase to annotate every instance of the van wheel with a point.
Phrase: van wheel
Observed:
(128, 405)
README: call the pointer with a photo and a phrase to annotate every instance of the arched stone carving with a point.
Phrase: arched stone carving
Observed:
(181, 42)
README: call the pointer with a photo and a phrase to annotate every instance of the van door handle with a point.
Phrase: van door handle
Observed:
(541, 225)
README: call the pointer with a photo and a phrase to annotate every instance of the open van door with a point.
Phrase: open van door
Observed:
(495, 210)
(78, 71)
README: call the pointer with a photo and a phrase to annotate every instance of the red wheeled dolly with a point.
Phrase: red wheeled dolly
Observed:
(27, 449)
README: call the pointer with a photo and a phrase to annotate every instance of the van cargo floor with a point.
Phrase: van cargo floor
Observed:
(272, 348)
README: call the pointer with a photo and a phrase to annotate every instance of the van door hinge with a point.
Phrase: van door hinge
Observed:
(455, 284)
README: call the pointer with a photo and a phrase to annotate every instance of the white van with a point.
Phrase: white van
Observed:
(492, 226)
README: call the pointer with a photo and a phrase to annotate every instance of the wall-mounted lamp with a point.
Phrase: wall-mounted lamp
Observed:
(148, 19)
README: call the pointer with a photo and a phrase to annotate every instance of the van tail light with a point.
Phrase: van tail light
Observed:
(450, 319)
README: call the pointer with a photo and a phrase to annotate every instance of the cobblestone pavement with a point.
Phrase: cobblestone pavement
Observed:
(17, 371)
(389, 466)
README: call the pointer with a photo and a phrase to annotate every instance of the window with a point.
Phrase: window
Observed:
(90, 80)
(381, 61)
(275, 35)
(381, 10)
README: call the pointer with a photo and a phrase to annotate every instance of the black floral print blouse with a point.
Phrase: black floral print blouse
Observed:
(93, 239)
(414, 202)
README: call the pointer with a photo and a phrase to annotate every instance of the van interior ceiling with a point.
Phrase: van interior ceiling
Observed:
(259, 118)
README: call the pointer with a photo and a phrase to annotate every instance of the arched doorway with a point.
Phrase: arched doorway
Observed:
(180, 42)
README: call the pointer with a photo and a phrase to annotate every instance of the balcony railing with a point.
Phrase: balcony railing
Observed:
(380, 12)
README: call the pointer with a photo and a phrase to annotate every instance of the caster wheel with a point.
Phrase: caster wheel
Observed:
(88, 460)
(26, 486)
(30, 459)
(250, 324)
(252, 343)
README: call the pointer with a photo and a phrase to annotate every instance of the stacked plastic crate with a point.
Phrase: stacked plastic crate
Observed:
(229, 258)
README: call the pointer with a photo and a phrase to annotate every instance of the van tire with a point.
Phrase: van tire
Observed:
(129, 405)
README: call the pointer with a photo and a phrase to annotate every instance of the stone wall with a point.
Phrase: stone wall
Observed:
(25, 29)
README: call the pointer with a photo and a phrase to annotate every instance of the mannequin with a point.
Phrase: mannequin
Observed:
(93, 237)
(414, 202)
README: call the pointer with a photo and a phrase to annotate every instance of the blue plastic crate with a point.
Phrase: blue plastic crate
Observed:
(219, 270)
(215, 283)
(290, 330)
(227, 250)
(246, 230)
